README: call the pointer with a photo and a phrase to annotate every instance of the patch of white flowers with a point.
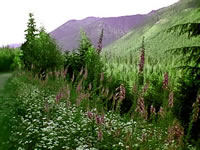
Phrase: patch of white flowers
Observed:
(45, 124)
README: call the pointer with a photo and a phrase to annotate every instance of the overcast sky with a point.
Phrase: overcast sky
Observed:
(53, 13)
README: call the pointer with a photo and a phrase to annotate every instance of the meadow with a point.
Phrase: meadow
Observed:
(94, 98)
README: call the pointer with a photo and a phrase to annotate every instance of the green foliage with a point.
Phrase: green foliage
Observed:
(85, 58)
(27, 47)
(7, 59)
(44, 122)
(189, 85)
(40, 52)
(46, 54)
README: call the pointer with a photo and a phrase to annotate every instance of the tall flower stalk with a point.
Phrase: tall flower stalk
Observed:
(141, 64)
(99, 47)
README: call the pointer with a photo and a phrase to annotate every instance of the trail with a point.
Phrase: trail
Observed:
(3, 79)
(6, 111)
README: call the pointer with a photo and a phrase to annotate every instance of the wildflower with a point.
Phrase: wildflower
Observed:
(90, 114)
(171, 100)
(100, 135)
(161, 112)
(153, 110)
(99, 119)
(99, 47)
(165, 81)
(121, 93)
(175, 132)
(141, 108)
(142, 58)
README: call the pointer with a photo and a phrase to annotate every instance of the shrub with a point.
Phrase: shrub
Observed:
(7, 59)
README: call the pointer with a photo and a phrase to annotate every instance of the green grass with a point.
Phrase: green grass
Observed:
(6, 109)
(3, 79)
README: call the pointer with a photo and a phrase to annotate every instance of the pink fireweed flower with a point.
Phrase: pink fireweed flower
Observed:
(141, 64)
(153, 110)
(142, 58)
(90, 114)
(99, 119)
(121, 93)
(161, 112)
(171, 100)
(166, 81)
(99, 47)
(141, 108)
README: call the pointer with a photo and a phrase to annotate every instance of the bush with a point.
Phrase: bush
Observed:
(7, 59)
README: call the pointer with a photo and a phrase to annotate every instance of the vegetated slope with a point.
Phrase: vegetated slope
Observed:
(68, 34)
(157, 40)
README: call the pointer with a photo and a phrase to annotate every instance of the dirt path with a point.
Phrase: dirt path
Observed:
(3, 79)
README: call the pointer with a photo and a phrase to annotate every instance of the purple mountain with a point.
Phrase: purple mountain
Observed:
(68, 34)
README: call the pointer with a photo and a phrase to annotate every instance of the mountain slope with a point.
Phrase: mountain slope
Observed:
(68, 34)
(156, 39)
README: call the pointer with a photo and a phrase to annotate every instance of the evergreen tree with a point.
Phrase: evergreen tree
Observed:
(190, 54)
(27, 47)
(189, 84)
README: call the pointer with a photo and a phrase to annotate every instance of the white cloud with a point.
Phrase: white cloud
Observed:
(53, 13)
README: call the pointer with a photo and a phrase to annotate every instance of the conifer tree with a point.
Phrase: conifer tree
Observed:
(190, 54)
(27, 47)
(189, 84)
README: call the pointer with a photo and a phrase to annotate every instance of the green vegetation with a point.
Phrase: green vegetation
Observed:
(40, 52)
(9, 59)
(88, 99)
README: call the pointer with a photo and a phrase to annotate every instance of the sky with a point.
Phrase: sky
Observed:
(53, 13)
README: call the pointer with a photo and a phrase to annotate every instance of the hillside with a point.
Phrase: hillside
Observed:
(68, 34)
(156, 39)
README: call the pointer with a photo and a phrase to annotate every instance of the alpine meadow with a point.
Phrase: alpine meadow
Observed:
(118, 83)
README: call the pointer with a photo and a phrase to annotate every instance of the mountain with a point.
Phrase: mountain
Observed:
(68, 34)
(16, 45)
(157, 40)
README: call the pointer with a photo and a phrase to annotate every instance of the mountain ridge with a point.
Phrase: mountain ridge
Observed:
(68, 34)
